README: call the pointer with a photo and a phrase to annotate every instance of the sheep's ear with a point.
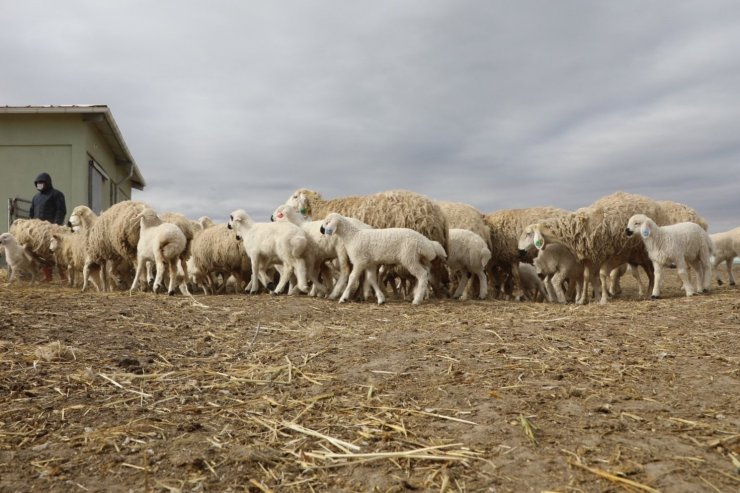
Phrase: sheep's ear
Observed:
(645, 230)
(539, 241)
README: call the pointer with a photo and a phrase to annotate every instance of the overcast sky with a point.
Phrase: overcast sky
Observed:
(235, 104)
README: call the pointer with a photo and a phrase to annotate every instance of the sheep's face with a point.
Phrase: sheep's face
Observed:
(54, 243)
(330, 224)
(6, 239)
(282, 213)
(298, 202)
(638, 222)
(530, 238)
(236, 219)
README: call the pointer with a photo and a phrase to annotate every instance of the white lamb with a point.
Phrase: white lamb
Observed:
(559, 265)
(682, 244)
(271, 243)
(161, 243)
(370, 248)
(19, 258)
(532, 285)
(726, 248)
(468, 255)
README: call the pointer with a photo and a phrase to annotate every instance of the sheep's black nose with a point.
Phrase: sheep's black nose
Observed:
(229, 226)
(628, 232)
(321, 229)
(272, 218)
(238, 238)
(522, 253)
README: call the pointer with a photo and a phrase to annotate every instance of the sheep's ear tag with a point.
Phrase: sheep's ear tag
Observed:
(645, 231)
(303, 210)
(539, 242)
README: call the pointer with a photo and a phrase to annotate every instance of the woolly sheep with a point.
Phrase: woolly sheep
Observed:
(36, 235)
(69, 252)
(113, 238)
(675, 212)
(682, 243)
(468, 255)
(271, 243)
(726, 248)
(20, 258)
(162, 243)
(506, 226)
(464, 216)
(391, 209)
(369, 248)
(215, 250)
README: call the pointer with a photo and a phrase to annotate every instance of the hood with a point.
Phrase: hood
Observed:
(45, 177)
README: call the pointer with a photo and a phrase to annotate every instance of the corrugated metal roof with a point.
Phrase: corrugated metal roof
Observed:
(106, 125)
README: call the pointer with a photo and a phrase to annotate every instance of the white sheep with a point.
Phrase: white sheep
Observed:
(682, 244)
(281, 243)
(20, 258)
(161, 243)
(559, 265)
(468, 255)
(369, 248)
(532, 285)
(726, 248)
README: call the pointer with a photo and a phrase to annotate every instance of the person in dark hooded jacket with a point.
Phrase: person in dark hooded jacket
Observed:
(48, 203)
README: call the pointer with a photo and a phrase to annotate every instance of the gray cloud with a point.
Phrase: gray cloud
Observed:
(499, 104)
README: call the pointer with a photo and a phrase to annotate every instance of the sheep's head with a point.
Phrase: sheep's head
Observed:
(285, 212)
(530, 238)
(6, 239)
(55, 242)
(300, 201)
(330, 224)
(238, 219)
(639, 222)
(148, 217)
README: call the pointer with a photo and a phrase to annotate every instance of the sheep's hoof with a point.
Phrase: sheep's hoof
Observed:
(171, 293)
(342, 300)
(732, 283)
(705, 291)
(720, 283)
(653, 297)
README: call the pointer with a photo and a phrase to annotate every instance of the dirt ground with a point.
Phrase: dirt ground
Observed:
(106, 392)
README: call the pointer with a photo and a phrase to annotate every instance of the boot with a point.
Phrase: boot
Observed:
(48, 274)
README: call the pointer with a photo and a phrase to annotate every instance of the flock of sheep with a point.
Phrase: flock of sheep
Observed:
(359, 245)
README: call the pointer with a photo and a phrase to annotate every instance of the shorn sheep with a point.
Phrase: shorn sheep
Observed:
(726, 248)
(20, 258)
(271, 243)
(683, 244)
(391, 209)
(161, 243)
(468, 256)
(370, 248)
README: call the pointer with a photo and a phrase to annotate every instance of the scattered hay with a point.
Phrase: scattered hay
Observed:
(55, 351)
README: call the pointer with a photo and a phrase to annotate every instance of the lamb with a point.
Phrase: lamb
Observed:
(369, 248)
(559, 265)
(468, 255)
(726, 248)
(532, 285)
(162, 243)
(392, 209)
(320, 249)
(506, 226)
(683, 243)
(215, 250)
(270, 243)
(20, 258)
(69, 252)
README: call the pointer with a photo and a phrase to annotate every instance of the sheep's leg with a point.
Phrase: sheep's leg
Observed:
(352, 282)
(517, 291)
(658, 270)
(682, 270)
(483, 281)
(371, 276)
(604, 281)
(422, 282)
(634, 270)
(172, 269)
(729, 271)
(285, 274)
(699, 271)
(256, 273)
(140, 264)
(557, 285)
(583, 299)
(718, 261)
(601, 289)
(85, 275)
(344, 270)
(300, 273)
(464, 277)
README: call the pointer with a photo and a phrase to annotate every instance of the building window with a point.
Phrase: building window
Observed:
(98, 181)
